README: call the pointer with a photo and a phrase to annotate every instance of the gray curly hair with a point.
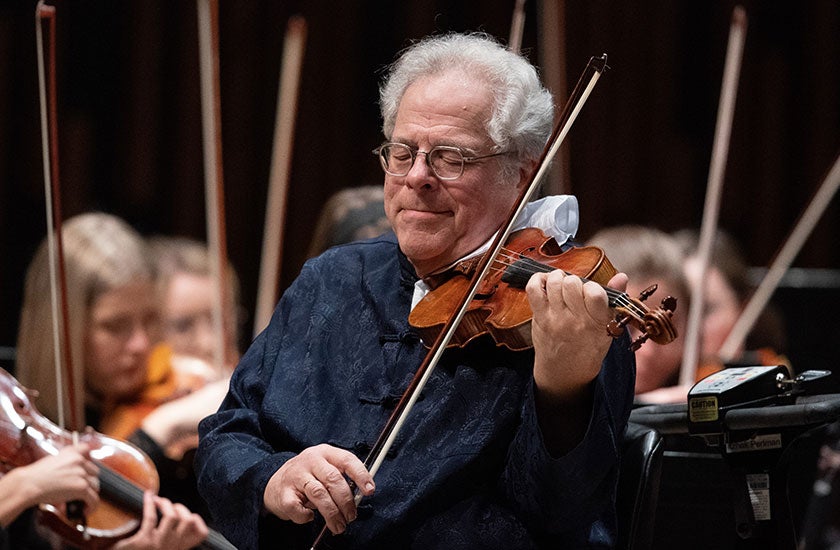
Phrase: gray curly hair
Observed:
(523, 109)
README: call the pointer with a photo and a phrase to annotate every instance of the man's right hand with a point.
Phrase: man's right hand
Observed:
(315, 480)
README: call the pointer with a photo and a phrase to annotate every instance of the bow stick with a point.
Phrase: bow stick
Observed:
(281, 163)
(55, 242)
(580, 94)
(708, 227)
(517, 25)
(551, 21)
(208, 42)
(781, 262)
(58, 278)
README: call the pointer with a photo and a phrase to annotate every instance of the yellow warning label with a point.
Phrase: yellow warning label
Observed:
(703, 409)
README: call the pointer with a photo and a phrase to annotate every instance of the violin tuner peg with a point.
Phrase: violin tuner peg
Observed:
(646, 293)
(615, 328)
(637, 343)
(669, 303)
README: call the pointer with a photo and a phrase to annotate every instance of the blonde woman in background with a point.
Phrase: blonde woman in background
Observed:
(188, 297)
(113, 326)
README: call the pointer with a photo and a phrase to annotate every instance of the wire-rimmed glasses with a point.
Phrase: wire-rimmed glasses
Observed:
(446, 162)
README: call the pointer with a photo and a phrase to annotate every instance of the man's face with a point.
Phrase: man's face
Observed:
(437, 222)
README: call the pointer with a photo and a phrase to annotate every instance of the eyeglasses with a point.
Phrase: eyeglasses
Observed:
(446, 162)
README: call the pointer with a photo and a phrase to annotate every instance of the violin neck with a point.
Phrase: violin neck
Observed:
(616, 298)
(129, 496)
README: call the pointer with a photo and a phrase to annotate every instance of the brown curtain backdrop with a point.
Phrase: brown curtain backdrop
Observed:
(130, 135)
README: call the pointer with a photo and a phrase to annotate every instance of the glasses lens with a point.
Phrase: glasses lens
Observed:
(396, 159)
(447, 162)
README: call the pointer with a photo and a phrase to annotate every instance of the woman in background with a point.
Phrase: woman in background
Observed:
(188, 296)
(726, 292)
(113, 326)
(650, 256)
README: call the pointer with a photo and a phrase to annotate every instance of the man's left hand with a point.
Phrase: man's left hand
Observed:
(569, 330)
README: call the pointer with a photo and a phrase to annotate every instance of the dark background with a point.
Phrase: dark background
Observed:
(130, 127)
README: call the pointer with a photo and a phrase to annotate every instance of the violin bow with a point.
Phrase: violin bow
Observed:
(208, 47)
(55, 241)
(517, 26)
(582, 91)
(784, 257)
(714, 185)
(281, 164)
(552, 36)
(48, 97)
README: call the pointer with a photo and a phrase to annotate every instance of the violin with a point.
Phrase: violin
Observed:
(500, 305)
(169, 377)
(125, 472)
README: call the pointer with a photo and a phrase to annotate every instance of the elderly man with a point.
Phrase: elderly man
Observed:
(503, 449)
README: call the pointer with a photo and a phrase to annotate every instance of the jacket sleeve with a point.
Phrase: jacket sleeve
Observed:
(563, 494)
(234, 461)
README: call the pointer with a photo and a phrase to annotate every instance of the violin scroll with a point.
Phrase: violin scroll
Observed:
(653, 324)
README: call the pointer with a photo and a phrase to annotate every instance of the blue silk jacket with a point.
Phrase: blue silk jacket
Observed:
(469, 470)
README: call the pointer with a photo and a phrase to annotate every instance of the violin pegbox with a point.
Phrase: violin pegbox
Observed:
(653, 324)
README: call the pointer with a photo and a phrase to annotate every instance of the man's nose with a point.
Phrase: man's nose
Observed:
(421, 173)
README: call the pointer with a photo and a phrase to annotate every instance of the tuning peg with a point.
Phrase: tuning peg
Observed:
(645, 294)
(615, 328)
(669, 303)
(637, 343)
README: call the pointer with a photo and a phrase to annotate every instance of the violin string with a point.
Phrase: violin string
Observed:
(529, 265)
(511, 257)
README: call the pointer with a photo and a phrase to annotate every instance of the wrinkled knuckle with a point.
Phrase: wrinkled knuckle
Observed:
(330, 511)
(318, 492)
(334, 477)
(572, 281)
